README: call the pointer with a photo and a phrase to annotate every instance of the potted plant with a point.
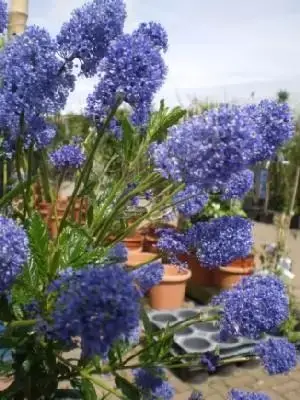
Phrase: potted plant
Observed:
(69, 293)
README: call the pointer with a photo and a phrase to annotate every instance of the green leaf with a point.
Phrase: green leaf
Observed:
(127, 138)
(90, 216)
(87, 390)
(146, 322)
(129, 390)
(15, 192)
(39, 241)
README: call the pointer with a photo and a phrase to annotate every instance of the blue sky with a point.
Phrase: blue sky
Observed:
(219, 49)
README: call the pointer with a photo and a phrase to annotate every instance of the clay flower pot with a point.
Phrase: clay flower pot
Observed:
(243, 262)
(226, 277)
(52, 217)
(137, 257)
(201, 276)
(134, 241)
(150, 244)
(170, 293)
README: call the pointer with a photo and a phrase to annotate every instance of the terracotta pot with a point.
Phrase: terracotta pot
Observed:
(201, 276)
(134, 241)
(170, 293)
(53, 217)
(243, 262)
(137, 257)
(80, 210)
(226, 277)
(150, 244)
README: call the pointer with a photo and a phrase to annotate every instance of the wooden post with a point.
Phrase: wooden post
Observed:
(18, 15)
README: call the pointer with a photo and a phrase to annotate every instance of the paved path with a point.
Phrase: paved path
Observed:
(248, 376)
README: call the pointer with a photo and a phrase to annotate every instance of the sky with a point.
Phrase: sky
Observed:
(219, 50)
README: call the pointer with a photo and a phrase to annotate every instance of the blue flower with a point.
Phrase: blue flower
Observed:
(238, 185)
(141, 115)
(191, 200)
(172, 243)
(273, 124)
(14, 252)
(3, 16)
(236, 394)
(148, 276)
(67, 156)
(196, 396)
(133, 68)
(118, 253)
(221, 241)
(278, 355)
(206, 150)
(89, 32)
(156, 33)
(257, 305)
(210, 360)
(39, 133)
(152, 384)
(98, 304)
(35, 81)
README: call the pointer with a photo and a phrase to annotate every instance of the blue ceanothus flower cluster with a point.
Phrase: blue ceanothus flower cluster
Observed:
(191, 200)
(152, 384)
(35, 83)
(258, 304)
(238, 186)
(68, 156)
(278, 355)
(148, 276)
(221, 240)
(3, 16)
(14, 252)
(98, 304)
(89, 31)
(207, 149)
(236, 394)
(133, 68)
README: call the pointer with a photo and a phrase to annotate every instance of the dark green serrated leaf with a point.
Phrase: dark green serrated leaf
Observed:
(87, 390)
(39, 242)
(127, 388)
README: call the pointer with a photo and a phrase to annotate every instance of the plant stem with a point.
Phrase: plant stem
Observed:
(84, 173)
(45, 178)
(29, 178)
(21, 324)
(101, 384)
(19, 174)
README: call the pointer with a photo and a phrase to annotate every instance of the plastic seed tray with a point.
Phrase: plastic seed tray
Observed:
(201, 337)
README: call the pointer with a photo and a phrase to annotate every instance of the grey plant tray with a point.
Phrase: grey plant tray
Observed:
(201, 337)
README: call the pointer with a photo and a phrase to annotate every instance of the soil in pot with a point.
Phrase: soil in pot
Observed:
(227, 277)
(170, 293)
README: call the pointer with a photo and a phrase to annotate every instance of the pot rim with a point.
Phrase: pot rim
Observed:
(183, 275)
(236, 270)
